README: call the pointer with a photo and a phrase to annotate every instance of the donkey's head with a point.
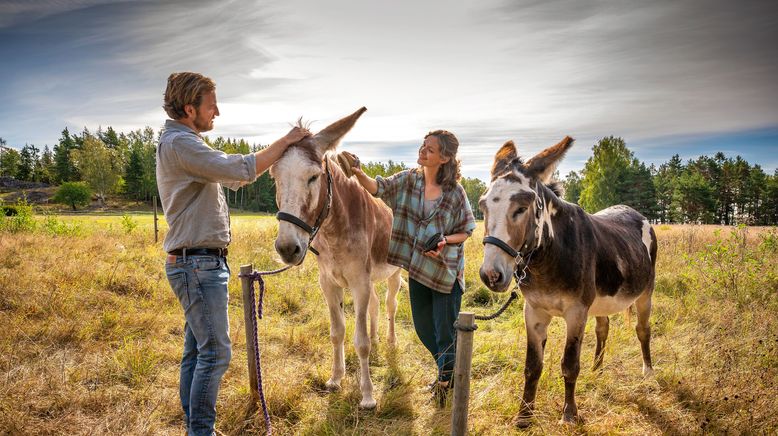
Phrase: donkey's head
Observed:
(301, 187)
(515, 215)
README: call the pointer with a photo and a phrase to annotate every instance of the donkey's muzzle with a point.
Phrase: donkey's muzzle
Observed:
(494, 279)
(291, 252)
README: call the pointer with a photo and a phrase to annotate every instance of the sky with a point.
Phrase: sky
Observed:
(690, 77)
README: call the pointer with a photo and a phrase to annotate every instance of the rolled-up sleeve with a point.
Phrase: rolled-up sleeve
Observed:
(205, 164)
(389, 186)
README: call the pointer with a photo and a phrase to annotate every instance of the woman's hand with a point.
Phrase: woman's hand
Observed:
(436, 252)
(351, 166)
(349, 163)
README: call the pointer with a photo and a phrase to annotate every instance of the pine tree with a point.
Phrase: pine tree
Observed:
(47, 166)
(9, 161)
(64, 170)
(770, 205)
(28, 162)
(757, 184)
(694, 197)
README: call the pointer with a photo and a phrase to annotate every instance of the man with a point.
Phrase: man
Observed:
(190, 175)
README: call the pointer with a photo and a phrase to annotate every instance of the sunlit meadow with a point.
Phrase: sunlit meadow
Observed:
(91, 338)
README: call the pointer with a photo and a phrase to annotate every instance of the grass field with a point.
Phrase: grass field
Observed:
(91, 339)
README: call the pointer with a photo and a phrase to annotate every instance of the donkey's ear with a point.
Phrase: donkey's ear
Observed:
(543, 165)
(330, 136)
(503, 159)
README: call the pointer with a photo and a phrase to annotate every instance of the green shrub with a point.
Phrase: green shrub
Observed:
(19, 218)
(128, 224)
(73, 194)
(57, 227)
(729, 269)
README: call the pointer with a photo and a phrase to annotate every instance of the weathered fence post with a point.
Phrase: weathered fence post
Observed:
(248, 321)
(465, 328)
(156, 227)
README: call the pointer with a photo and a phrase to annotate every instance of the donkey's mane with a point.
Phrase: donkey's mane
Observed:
(303, 124)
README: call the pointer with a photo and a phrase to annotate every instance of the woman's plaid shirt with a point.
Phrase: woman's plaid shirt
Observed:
(404, 194)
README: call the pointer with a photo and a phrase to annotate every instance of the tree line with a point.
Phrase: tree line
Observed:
(118, 163)
(706, 190)
(124, 164)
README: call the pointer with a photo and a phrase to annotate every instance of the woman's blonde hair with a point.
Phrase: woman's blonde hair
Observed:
(448, 173)
(183, 89)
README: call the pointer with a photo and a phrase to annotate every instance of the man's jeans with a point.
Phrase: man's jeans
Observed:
(200, 283)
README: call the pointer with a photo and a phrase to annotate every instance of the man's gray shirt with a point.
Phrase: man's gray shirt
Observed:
(190, 175)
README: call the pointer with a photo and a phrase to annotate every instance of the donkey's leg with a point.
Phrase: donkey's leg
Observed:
(362, 293)
(334, 296)
(575, 319)
(643, 329)
(393, 286)
(628, 316)
(373, 307)
(602, 336)
(536, 323)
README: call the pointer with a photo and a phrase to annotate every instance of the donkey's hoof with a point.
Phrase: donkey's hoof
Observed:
(367, 404)
(332, 385)
(522, 420)
(648, 372)
(571, 420)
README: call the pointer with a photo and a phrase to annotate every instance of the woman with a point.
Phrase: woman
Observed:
(429, 201)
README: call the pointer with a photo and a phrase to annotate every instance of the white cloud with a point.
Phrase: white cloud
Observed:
(487, 70)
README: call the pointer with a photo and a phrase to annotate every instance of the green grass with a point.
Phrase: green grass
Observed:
(92, 337)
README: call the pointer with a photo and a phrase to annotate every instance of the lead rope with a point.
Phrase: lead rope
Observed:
(514, 295)
(256, 312)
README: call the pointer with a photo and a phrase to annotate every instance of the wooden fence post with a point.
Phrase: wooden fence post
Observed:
(156, 227)
(245, 283)
(462, 367)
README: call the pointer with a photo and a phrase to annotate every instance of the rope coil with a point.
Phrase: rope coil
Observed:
(256, 313)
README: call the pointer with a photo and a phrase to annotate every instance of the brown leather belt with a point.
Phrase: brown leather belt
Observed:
(221, 252)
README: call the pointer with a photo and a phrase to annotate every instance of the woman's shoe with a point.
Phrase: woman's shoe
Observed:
(440, 392)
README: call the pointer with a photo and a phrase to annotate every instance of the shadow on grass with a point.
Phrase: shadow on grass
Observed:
(668, 420)
(394, 412)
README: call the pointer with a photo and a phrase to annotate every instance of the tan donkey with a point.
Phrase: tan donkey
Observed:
(349, 230)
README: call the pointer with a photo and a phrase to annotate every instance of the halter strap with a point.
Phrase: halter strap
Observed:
(283, 216)
(500, 243)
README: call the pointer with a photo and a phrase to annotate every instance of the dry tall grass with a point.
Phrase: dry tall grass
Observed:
(91, 336)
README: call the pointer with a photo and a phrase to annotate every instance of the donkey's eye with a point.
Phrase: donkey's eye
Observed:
(313, 179)
(519, 211)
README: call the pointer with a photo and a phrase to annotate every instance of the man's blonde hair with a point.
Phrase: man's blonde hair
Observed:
(183, 89)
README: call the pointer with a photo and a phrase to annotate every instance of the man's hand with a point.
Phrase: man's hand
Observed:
(274, 151)
(296, 135)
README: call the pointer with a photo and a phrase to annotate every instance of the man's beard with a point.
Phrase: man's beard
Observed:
(202, 125)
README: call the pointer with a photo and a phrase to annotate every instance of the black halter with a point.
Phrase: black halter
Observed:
(325, 211)
(523, 255)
